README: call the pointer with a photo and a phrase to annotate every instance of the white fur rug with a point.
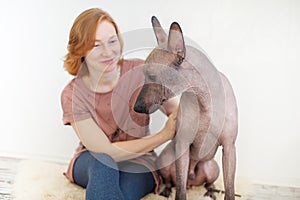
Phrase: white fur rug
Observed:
(39, 180)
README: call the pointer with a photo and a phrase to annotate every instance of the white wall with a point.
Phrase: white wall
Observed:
(255, 43)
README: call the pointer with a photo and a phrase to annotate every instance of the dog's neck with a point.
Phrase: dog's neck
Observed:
(201, 76)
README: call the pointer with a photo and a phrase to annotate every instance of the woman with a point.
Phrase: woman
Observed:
(115, 158)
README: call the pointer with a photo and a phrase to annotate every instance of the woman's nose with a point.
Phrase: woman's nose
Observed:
(106, 51)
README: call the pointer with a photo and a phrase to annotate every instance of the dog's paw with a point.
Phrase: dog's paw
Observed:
(210, 194)
(166, 192)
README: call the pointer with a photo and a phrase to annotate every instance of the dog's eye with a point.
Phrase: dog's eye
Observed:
(152, 77)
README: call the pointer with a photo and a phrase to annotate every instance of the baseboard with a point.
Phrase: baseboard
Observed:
(41, 157)
(278, 181)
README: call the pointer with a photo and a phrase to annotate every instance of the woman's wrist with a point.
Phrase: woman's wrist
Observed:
(166, 134)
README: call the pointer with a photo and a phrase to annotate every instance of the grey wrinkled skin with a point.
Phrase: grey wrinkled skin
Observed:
(207, 116)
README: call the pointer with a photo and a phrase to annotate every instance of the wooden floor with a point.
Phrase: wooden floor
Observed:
(7, 175)
(8, 168)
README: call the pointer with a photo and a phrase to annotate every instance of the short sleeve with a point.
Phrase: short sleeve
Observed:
(73, 104)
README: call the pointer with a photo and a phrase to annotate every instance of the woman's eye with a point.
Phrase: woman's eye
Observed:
(113, 41)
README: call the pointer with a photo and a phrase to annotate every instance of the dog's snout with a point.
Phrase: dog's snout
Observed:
(139, 107)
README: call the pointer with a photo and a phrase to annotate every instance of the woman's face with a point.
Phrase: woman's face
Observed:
(106, 52)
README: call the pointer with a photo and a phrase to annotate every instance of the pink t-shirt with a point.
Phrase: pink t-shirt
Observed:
(112, 111)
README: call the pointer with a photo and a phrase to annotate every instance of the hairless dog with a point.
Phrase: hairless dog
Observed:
(207, 116)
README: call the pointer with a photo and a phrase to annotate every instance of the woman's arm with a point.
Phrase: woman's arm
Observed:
(94, 139)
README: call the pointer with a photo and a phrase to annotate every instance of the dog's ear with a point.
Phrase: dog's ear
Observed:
(160, 34)
(176, 41)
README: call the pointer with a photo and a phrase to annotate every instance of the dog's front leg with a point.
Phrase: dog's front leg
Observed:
(187, 129)
(182, 166)
(229, 166)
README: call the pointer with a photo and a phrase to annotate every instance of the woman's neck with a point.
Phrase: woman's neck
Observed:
(103, 81)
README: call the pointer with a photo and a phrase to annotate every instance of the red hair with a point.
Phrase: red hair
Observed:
(82, 37)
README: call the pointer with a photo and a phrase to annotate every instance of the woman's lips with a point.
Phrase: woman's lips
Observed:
(108, 62)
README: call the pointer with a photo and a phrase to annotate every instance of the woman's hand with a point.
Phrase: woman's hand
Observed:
(170, 126)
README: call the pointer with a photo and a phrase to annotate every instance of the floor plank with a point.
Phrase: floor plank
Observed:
(8, 168)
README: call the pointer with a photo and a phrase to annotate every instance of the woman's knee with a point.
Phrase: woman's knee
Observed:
(103, 171)
(90, 164)
(104, 160)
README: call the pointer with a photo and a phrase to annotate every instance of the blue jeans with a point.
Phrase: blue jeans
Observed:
(105, 179)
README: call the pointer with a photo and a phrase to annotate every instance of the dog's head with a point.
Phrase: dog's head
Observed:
(161, 69)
